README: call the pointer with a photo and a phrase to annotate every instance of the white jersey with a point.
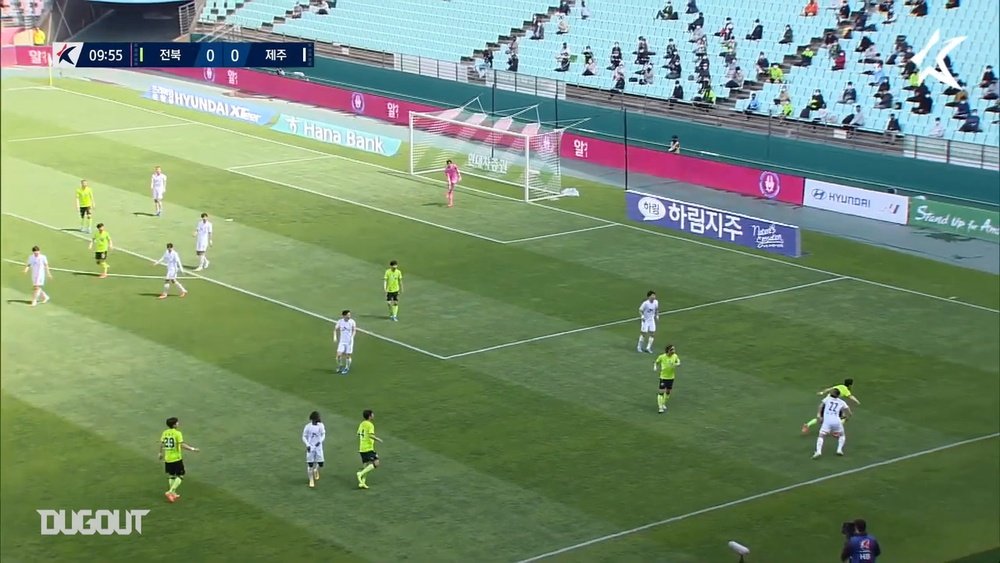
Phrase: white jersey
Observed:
(172, 261)
(202, 236)
(647, 312)
(38, 265)
(158, 185)
(832, 410)
(347, 329)
(313, 436)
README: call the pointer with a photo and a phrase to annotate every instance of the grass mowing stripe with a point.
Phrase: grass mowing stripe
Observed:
(94, 274)
(633, 319)
(243, 291)
(101, 132)
(759, 496)
(549, 207)
(560, 234)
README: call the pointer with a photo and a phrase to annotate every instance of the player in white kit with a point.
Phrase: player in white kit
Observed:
(649, 311)
(172, 261)
(202, 241)
(158, 188)
(343, 335)
(833, 411)
(38, 264)
(313, 436)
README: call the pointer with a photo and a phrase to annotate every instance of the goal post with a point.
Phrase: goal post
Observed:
(498, 148)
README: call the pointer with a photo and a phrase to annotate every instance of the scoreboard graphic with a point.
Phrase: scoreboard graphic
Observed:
(190, 55)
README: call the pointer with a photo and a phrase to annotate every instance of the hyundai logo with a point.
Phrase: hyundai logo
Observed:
(818, 194)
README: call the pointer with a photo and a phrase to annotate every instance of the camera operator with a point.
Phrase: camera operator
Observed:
(860, 547)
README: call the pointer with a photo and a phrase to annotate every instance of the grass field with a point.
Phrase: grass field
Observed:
(519, 422)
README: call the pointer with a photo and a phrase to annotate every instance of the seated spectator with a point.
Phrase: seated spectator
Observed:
(678, 93)
(992, 91)
(952, 4)
(563, 58)
(807, 56)
(829, 39)
(854, 121)
(737, 80)
(840, 61)
(883, 87)
(786, 110)
(753, 105)
(937, 130)
(564, 7)
(616, 56)
(787, 37)
(701, 48)
(811, 9)
(877, 75)
(892, 128)
(776, 75)
(562, 27)
(618, 80)
(642, 52)
(925, 104)
(488, 59)
(727, 30)
(844, 11)
(667, 13)
(538, 30)
(763, 65)
(825, 117)
(707, 95)
(861, 22)
(921, 91)
(584, 10)
(912, 82)
(783, 96)
(692, 7)
(728, 50)
(671, 49)
(587, 53)
(988, 77)
(512, 62)
(590, 67)
(696, 35)
(864, 45)
(674, 68)
(885, 102)
(675, 145)
(758, 32)
(322, 8)
(919, 8)
(817, 101)
(698, 22)
(513, 47)
(960, 96)
(646, 74)
(962, 110)
(871, 56)
(971, 124)
(850, 94)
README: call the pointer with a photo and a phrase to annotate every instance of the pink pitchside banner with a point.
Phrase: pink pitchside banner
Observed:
(24, 55)
(728, 177)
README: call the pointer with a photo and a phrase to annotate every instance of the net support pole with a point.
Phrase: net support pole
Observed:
(412, 166)
(625, 142)
(527, 169)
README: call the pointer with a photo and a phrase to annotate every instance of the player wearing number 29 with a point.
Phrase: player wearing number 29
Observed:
(833, 410)
(453, 175)
(666, 363)
(649, 312)
(393, 286)
(313, 436)
(172, 448)
(85, 204)
(343, 335)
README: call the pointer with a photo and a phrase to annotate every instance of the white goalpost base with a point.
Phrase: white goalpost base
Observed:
(523, 155)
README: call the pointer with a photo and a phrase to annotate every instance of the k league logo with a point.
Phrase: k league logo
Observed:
(938, 69)
(770, 184)
(358, 102)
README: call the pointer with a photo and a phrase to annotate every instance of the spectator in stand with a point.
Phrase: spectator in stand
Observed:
(642, 52)
(753, 106)
(962, 110)
(514, 46)
(925, 104)
(618, 80)
(697, 23)
(697, 36)
(787, 37)
(919, 8)
(678, 93)
(952, 4)
(616, 56)
(883, 87)
(892, 128)
(667, 13)
(992, 91)
(877, 75)
(763, 65)
(563, 58)
(588, 54)
(885, 101)
(675, 145)
(854, 121)
(850, 94)
(692, 7)
(844, 12)
(807, 56)
(783, 96)
(988, 77)
(562, 28)
(590, 67)
(829, 38)
(487, 59)
(840, 61)
(537, 29)
(38, 36)
(674, 67)
(584, 10)
(564, 7)
(512, 62)
(758, 32)
(737, 80)
(937, 130)
(960, 96)
(726, 33)
(971, 124)
(775, 74)
(871, 56)
(646, 76)
(811, 9)
(729, 51)
(786, 110)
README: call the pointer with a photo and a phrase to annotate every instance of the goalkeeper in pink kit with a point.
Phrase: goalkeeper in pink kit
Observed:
(453, 176)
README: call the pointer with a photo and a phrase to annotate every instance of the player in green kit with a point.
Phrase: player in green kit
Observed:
(666, 365)
(85, 203)
(172, 448)
(367, 439)
(101, 244)
(393, 286)
(845, 393)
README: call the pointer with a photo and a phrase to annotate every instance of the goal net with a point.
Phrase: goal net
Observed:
(499, 148)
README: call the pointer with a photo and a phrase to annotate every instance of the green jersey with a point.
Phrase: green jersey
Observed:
(668, 365)
(171, 440)
(85, 197)
(393, 280)
(366, 436)
(102, 241)
(845, 391)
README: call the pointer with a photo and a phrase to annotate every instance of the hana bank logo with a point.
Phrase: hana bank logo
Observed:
(938, 70)
(358, 102)
(209, 74)
(770, 184)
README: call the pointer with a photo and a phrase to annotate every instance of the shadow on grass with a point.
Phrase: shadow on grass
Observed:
(143, 214)
(19, 301)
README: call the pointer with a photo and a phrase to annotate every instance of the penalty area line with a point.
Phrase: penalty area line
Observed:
(758, 496)
(237, 289)
(95, 274)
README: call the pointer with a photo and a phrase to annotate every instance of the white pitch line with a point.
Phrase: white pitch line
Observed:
(101, 132)
(549, 207)
(633, 319)
(22, 88)
(277, 163)
(766, 494)
(367, 206)
(243, 291)
(563, 233)
(86, 273)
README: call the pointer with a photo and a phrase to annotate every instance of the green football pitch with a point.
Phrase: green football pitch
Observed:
(519, 421)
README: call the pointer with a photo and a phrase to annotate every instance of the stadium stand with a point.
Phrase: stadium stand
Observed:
(877, 40)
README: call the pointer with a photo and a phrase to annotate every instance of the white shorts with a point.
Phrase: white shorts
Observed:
(836, 428)
(201, 246)
(315, 455)
(171, 273)
(648, 326)
(38, 281)
(345, 347)
(158, 194)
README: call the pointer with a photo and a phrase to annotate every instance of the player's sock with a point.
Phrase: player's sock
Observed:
(395, 310)
(649, 344)
(175, 483)
(819, 445)
(166, 288)
(105, 266)
(389, 305)
(661, 400)
(811, 423)
(309, 472)
(840, 443)
(639, 345)
(364, 472)
(181, 287)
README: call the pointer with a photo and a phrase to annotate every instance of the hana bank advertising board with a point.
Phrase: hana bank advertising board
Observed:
(728, 177)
